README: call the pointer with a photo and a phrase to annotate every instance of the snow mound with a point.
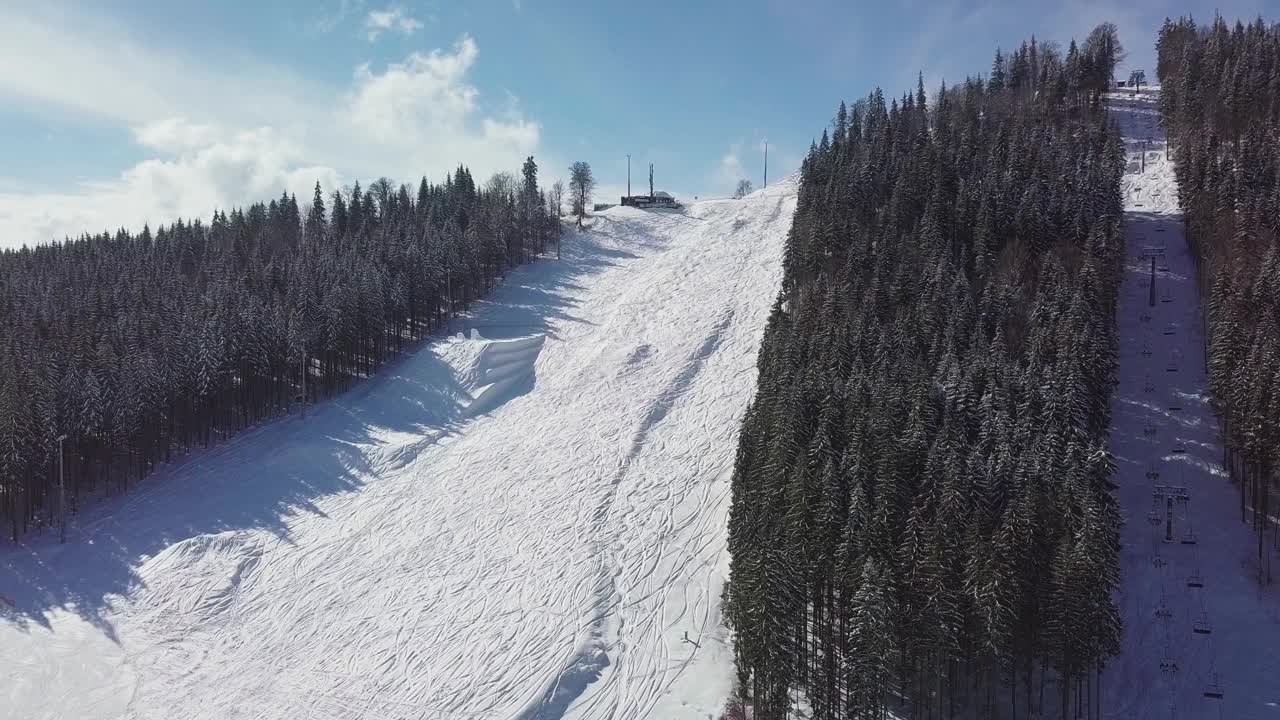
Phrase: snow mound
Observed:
(500, 369)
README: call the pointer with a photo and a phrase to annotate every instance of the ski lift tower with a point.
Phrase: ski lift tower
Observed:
(1170, 494)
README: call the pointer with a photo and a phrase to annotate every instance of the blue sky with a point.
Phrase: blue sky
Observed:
(121, 112)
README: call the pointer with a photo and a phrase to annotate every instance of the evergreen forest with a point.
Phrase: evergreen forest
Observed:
(120, 351)
(922, 515)
(1220, 104)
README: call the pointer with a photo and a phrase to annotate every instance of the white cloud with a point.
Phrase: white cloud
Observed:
(731, 170)
(392, 18)
(331, 20)
(176, 135)
(205, 170)
(423, 111)
(235, 137)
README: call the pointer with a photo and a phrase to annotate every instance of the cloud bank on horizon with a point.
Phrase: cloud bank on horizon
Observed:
(282, 133)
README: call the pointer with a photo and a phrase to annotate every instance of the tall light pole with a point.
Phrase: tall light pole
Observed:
(628, 174)
(766, 162)
(62, 492)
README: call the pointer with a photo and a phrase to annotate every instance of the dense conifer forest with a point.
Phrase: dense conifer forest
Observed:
(1220, 102)
(141, 346)
(922, 515)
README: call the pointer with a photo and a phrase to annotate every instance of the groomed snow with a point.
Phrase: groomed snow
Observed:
(524, 524)
(1161, 407)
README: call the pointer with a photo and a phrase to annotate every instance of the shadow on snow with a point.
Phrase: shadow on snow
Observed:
(266, 475)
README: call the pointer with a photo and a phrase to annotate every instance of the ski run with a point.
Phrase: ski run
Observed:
(527, 521)
(1197, 624)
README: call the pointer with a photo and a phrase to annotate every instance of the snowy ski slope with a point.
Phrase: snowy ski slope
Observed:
(526, 526)
(1196, 606)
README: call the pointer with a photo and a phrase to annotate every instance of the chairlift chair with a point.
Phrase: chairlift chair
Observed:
(1163, 612)
(1201, 626)
(1152, 472)
(1194, 580)
(1189, 537)
(1214, 690)
(1171, 367)
(1169, 330)
(1168, 665)
(1179, 448)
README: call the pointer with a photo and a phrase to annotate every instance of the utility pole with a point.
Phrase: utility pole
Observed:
(766, 163)
(62, 491)
(650, 182)
(628, 174)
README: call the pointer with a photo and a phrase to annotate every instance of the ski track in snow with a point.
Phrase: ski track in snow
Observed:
(1162, 367)
(524, 527)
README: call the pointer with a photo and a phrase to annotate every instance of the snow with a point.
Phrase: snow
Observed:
(522, 520)
(1239, 652)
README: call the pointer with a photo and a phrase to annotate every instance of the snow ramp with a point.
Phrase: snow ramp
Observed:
(503, 367)
(531, 526)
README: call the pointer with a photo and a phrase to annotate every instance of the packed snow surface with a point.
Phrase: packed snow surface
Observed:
(1196, 619)
(525, 520)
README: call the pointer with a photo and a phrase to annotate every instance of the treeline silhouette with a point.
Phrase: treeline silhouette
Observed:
(1220, 103)
(922, 515)
(138, 347)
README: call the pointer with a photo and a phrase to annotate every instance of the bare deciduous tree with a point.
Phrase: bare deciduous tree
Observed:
(744, 188)
(557, 197)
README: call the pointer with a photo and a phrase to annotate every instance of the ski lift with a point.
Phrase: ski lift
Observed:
(1166, 297)
(1169, 329)
(1214, 691)
(1171, 367)
(1153, 518)
(1201, 626)
(1152, 472)
(1149, 430)
(1168, 665)
(1146, 317)
(1158, 561)
(1175, 408)
(1146, 350)
(1163, 612)
(1179, 448)
(1194, 580)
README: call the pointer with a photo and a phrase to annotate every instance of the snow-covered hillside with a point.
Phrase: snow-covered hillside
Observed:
(525, 522)
(1196, 622)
